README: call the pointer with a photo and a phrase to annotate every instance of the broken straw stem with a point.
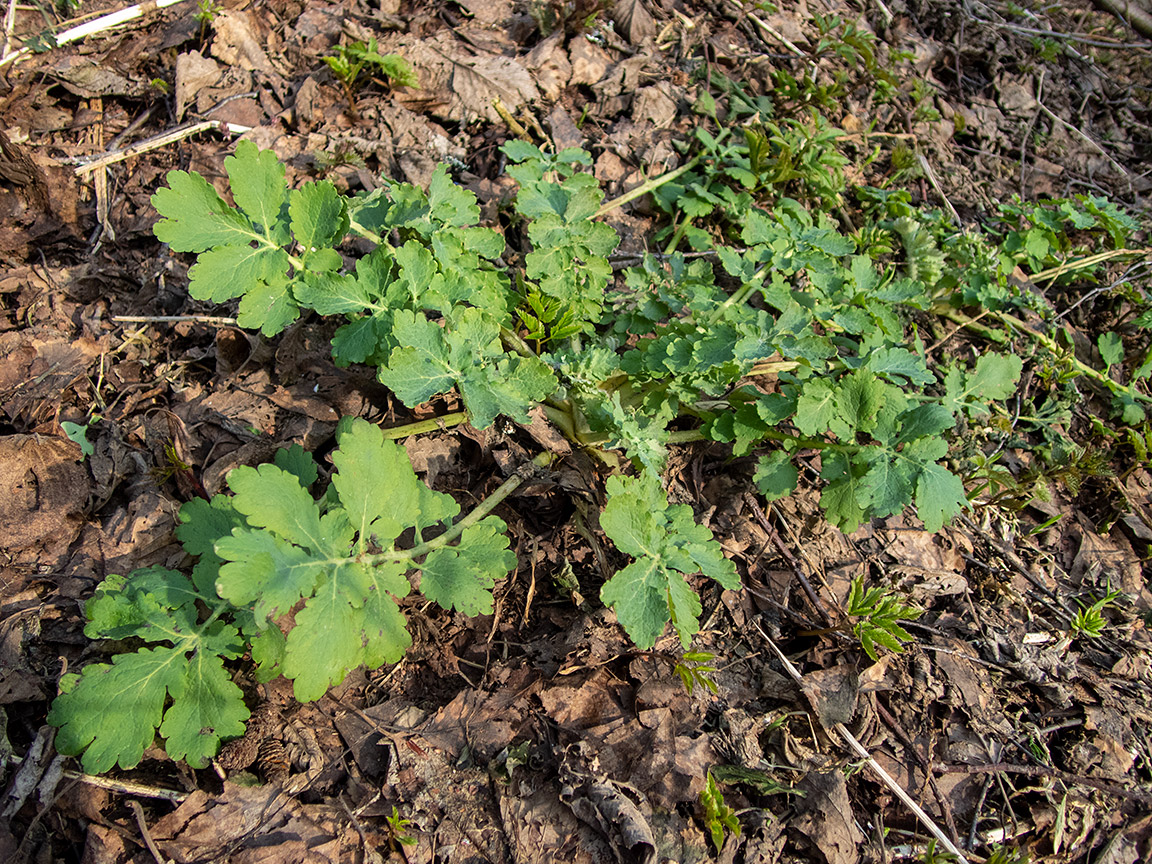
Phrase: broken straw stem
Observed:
(97, 25)
(111, 157)
(212, 320)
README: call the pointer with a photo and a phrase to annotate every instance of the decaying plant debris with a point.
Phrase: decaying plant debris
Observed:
(1016, 716)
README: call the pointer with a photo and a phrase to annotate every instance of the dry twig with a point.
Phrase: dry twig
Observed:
(155, 143)
(859, 750)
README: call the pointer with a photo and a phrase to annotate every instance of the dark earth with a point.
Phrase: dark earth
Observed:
(540, 733)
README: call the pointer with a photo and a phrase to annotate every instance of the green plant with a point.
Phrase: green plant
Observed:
(570, 16)
(719, 818)
(662, 354)
(1001, 854)
(668, 545)
(1089, 622)
(922, 109)
(932, 855)
(398, 835)
(264, 550)
(349, 61)
(878, 613)
(694, 667)
(761, 781)
(206, 12)
(78, 432)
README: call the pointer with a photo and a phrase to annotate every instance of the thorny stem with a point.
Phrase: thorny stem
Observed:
(485, 507)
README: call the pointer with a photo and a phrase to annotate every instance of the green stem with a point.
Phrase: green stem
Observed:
(422, 426)
(1084, 369)
(562, 420)
(485, 507)
(645, 188)
(677, 235)
(687, 436)
(356, 227)
(657, 182)
(512, 340)
(738, 296)
(807, 443)
(969, 324)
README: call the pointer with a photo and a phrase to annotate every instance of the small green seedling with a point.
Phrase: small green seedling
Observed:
(1089, 621)
(78, 432)
(1007, 855)
(350, 61)
(694, 668)
(932, 855)
(878, 613)
(398, 830)
(718, 816)
(206, 12)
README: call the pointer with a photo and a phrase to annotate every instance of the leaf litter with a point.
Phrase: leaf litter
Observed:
(537, 731)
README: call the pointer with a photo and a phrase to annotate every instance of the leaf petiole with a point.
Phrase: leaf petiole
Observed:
(543, 460)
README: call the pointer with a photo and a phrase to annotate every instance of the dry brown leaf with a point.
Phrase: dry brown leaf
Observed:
(633, 20)
(237, 43)
(825, 817)
(832, 693)
(488, 12)
(549, 62)
(43, 490)
(194, 72)
(88, 79)
(244, 819)
(463, 85)
(589, 62)
(36, 366)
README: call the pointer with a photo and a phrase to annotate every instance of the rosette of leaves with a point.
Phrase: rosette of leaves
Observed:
(426, 309)
(307, 586)
(667, 545)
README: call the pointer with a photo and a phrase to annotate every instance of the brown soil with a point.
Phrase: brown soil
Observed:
(539, 733)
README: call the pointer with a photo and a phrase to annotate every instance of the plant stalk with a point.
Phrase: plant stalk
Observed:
(421, 426)
(485, 507)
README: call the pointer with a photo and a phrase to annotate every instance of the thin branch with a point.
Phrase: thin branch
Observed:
(9, 27)
(1053, 773)
(1095, 42)
(124, 787)
(859, 750)
(774, 535)
(1120, 168)
(212, 320)
(1137, 18)
(142, 824)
